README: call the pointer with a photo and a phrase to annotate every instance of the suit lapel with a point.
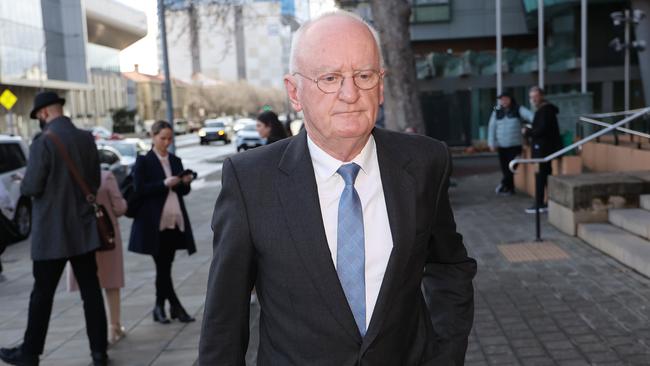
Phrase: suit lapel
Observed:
(399, 193)
(296, 186)
(156, 165)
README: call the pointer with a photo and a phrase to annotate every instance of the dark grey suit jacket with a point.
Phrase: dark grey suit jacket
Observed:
(63, 222)
(268, 233)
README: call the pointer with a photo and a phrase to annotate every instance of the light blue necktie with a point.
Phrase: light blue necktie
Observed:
(350, 254)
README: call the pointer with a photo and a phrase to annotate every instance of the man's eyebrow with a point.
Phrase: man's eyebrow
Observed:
(327, 69)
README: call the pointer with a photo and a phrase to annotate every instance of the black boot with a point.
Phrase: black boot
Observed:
(99, 358)
(15, 356)
(159, 314)
(176, 311)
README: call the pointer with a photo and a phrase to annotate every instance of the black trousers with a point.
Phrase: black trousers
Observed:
(545, 169)
(506, 155)
(46, 277)
(169, 240)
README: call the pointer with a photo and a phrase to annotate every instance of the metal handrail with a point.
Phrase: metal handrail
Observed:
(576, 144)
(622, 129)
(613, 114)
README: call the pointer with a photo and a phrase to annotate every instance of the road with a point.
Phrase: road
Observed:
(147, 343)
(204, 159)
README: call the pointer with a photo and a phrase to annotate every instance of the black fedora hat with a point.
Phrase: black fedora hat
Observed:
(43, 99)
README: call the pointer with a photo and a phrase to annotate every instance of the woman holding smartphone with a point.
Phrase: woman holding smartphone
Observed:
(161, 225)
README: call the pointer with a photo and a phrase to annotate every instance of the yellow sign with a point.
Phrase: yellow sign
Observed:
(8, 99)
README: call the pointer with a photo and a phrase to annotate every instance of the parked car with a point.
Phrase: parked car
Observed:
(242, 122)
(111, 159)
(16, 209)
(102, 133)
(128, 149)
(181, 126)
(248, 137)
(215, 130)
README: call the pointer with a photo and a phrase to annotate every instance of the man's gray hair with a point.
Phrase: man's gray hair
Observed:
(295, 42)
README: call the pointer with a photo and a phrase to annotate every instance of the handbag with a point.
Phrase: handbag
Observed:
(105, 227)
(133, 199)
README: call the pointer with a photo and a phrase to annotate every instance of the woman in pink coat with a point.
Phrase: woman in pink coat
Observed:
(110, 264)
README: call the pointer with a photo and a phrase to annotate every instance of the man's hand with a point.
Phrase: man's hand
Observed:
(187, 179)
(172, 181)
(493, 148)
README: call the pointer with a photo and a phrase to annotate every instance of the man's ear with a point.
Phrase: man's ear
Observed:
(292, 92)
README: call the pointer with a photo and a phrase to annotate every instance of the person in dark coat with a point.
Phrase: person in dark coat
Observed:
(64, 229)
(545, 139)
(270, 128)
(345, 230)
(161, 224)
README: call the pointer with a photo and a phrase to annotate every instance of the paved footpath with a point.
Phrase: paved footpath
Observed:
(585, 309)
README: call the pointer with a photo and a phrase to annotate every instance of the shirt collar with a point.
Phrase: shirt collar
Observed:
(160, 157)
(325, 166)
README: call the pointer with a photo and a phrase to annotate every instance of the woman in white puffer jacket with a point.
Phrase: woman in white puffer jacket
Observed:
(504, 136)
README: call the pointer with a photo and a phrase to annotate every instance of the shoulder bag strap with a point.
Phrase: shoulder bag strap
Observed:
(73, 169)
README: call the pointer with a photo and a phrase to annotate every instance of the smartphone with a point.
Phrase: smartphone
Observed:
(188, 172)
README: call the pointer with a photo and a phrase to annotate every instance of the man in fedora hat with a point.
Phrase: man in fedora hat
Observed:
(42, 100)
(64, 229)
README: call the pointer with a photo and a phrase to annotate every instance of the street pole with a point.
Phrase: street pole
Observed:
(628, 22)
(165, 62)
(499, 49)
(41, 58)
(540, 43)
(583, 46)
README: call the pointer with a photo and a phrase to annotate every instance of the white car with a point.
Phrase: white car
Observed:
(242, 122)
(248, 137)
(16, 209)
(112, 160)
(215, 130)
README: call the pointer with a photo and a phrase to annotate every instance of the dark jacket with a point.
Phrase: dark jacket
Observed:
(148, 180)
(63, 223)
(271, 139)
(268, 233)
(545, 134)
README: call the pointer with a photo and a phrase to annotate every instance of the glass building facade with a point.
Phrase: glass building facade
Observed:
(22, 40)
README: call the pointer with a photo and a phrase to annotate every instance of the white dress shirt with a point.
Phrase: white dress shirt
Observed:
(377, 235)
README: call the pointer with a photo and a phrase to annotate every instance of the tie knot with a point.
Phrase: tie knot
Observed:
(349, 173)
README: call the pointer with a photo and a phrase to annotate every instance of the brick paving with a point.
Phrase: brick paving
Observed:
(586, 309)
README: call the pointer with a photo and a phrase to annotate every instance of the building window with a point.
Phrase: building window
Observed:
(431, 11)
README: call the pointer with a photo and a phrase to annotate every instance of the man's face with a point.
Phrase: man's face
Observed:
(341, 46)
(42, 115)
(505, 102)
(535, 98)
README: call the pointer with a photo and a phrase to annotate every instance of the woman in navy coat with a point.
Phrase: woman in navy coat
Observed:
(161, 225)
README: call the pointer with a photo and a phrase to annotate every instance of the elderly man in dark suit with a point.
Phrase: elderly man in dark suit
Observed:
(345, 230)
(64, 229)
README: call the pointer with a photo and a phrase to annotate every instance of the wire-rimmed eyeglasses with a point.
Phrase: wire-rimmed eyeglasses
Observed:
(331, 82)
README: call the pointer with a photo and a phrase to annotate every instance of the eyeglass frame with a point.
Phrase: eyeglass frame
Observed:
(381, 74)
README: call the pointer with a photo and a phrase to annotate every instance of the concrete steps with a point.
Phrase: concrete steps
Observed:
(634, 220)
(644, 201)
(623, 246)
(626, 237)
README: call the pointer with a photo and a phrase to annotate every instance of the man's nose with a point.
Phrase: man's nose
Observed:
(349, 92)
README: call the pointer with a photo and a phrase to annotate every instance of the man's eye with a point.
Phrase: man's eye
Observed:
(364, 75)
(330, 79)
